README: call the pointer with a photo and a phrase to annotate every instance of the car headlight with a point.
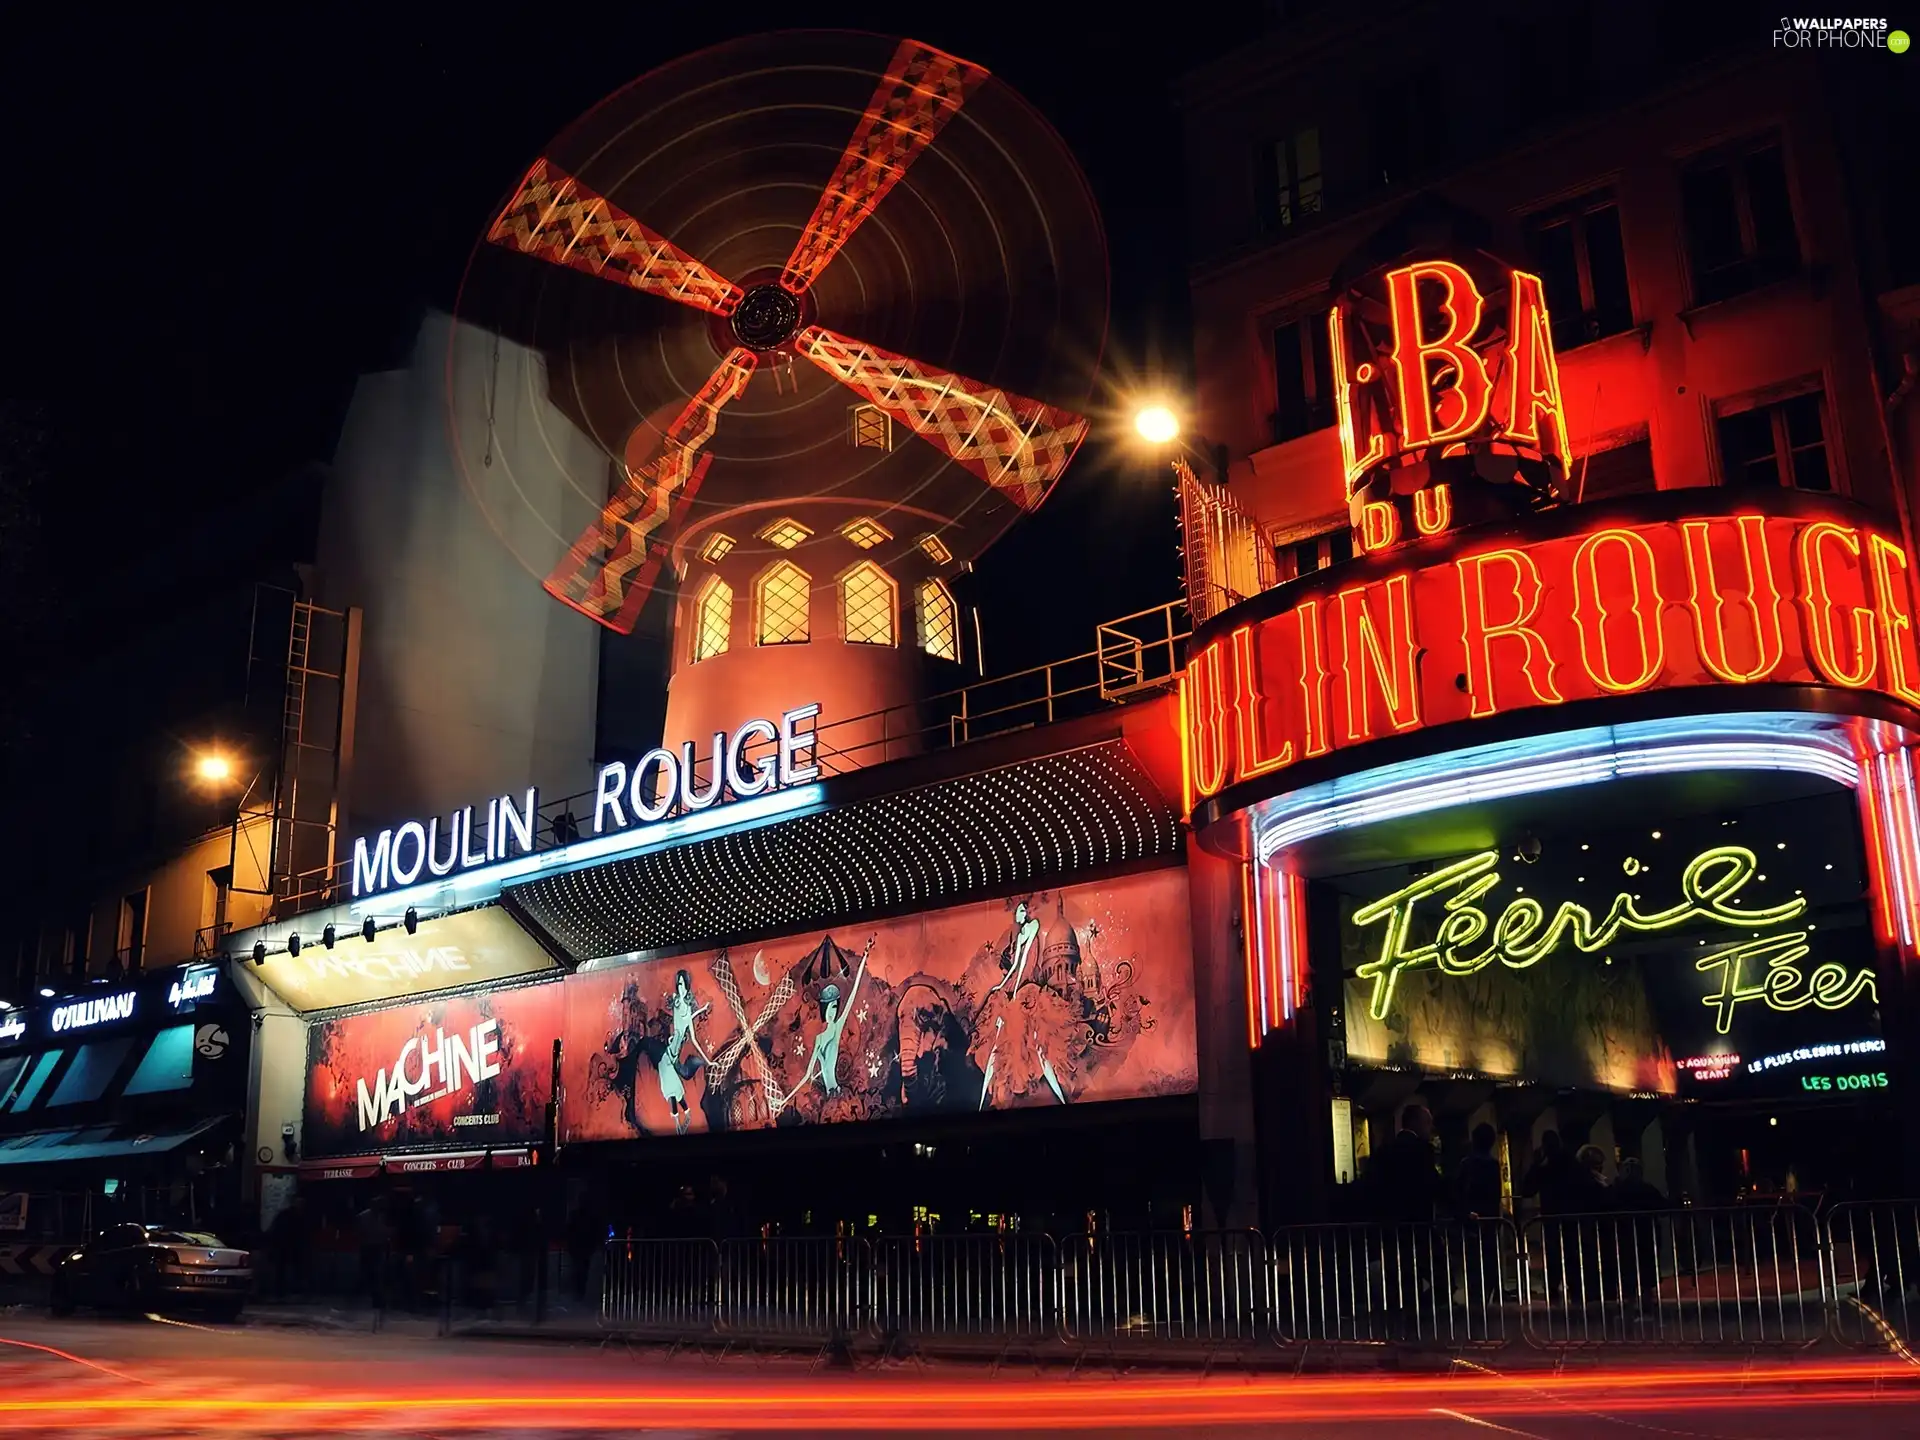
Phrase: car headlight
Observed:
(71, 1258)
(172, 1257)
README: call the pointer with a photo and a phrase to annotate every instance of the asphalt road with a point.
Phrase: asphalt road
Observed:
(136, 1377)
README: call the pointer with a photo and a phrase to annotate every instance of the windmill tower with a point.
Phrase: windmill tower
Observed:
(813, 363)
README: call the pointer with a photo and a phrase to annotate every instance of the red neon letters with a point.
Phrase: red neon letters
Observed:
(1817, 597)
(1434, 383)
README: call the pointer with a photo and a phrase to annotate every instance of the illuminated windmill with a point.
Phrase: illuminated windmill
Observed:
(818, 404)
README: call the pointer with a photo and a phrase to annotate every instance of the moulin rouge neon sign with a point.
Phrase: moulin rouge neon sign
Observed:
(1608, 601)
(1467, 939)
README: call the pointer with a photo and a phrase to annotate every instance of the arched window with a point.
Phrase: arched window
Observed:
(780, 600)
(712, 619)
(939, 621)
(866, 605)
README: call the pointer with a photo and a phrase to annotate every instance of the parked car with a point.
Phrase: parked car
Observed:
(146, 1267)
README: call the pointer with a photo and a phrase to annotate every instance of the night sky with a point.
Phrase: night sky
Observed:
(216, 226)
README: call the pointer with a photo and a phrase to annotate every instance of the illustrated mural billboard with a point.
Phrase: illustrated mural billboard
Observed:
(465, 1072)
(1055, 997)
(1718, 956)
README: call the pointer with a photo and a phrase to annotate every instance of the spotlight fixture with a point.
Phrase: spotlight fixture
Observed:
(411, 920)
(46, 992)
(293, 944)
(259, 952)
(328, 935)
(367, 927)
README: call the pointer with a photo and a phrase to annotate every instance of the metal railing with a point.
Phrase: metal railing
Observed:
(1745, 1276)
(1761, 1277)
(1447, 1285)
(1201, 1287)
(1133, 656)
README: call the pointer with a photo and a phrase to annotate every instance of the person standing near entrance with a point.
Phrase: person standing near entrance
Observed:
(371, 1228)
(1476, 1182)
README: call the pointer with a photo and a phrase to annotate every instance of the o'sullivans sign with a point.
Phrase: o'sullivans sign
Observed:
(1687, 588)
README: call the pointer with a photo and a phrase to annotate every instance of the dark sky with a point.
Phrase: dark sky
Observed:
(215, 224)
(230, 220)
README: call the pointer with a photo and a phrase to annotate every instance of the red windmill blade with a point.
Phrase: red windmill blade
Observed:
(920, 92)
(610, 570)
(556, 218)
(1018, 446)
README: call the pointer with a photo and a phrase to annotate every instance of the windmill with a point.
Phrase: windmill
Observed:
(826, 372)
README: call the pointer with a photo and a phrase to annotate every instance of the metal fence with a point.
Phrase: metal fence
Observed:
(1747, 1278)
(1754, 1276)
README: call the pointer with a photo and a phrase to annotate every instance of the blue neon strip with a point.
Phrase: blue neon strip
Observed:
(471, 887)
(1760, 741)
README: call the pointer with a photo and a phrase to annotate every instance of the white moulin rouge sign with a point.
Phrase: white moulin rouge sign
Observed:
(428, 1069)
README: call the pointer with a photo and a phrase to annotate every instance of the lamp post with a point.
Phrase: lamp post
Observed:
(1157, 424)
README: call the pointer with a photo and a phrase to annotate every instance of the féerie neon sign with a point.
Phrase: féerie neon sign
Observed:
(1467, 939)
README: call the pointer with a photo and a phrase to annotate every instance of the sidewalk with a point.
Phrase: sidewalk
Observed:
(564, 1318)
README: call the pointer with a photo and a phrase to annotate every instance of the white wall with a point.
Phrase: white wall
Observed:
(473, 681)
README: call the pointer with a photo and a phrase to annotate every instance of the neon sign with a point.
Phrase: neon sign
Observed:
(1708, 1067)
(1423, 387)
(1811, 595)
(1466, 939)
(663, 781)
(84, 1014)
(399, 854)
(1873, 1045)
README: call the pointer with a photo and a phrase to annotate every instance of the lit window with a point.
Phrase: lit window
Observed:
(939, 621)
(712, 619)
(717, 548)
(866, 532)
(785, 534)
(866, 605)
(782, 595)
(932, 547)
(872, 428)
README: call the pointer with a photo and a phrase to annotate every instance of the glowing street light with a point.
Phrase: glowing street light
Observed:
(1156, 424)
(213, 768)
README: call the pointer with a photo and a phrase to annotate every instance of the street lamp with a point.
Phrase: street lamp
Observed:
(1157, 424)
(213, 767)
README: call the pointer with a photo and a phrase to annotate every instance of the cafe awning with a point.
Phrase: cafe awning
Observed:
(100, 1142)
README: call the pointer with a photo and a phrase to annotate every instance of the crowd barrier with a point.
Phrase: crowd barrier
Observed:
(1748, 1278)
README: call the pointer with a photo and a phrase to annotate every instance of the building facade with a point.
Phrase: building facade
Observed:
(1558, 431)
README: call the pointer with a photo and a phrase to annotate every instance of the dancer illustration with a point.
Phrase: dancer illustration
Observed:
(825, 1059)
(1019, 950)
(674, 1073)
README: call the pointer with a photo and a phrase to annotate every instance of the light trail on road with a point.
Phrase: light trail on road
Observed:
(232, 1396)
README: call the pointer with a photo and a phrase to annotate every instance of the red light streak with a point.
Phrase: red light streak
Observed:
(736, 1401)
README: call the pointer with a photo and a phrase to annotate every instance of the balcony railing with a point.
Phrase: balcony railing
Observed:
(1133, 656)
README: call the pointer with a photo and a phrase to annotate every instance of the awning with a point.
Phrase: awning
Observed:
(99, 1142)
(365, 1167)
(1030, 822)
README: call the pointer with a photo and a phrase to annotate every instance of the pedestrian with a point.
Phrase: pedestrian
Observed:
(585, 1235)
(1633, 1196)
(1409, 1183)
(1410, 1190)
(1550, 1179)
(1476, 1181)
(375, 1238)
(287, 1245)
